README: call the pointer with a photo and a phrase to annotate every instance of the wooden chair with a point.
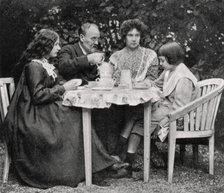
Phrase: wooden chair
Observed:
(198, 118)
(7, 88)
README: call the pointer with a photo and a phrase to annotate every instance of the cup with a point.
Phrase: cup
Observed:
(92, 84)
(125, 79)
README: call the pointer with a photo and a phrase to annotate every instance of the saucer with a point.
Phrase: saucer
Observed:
(102, 88)
(140, 87)
(92, 84)
(81, 87)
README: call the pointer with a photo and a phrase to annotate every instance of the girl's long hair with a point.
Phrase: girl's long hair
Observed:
(40, 47)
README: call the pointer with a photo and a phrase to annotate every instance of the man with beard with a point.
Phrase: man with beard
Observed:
(80, 59)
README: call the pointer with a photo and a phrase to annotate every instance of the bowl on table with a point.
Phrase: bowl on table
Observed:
(141, 85)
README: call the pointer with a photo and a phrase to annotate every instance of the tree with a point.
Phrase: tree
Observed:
(197, 24)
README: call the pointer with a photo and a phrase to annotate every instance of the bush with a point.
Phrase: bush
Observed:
(194, 23)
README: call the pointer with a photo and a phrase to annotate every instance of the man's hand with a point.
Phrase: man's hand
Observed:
(95, 58)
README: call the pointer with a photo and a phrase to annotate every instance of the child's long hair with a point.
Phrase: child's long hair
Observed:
(41, 46)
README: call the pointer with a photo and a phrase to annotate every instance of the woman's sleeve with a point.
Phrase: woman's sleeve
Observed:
(152, 72)
(160, 80)
(35, 78)
(183, 93)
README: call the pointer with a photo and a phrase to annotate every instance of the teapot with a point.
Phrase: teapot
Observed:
(106, 70)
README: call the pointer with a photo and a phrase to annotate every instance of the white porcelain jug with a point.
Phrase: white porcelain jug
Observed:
(106, 70)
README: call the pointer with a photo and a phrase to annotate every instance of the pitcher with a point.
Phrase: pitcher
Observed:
(125, 79)
(106, 70)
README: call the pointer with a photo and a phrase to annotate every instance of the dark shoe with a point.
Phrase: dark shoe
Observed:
(137, 176)
(122, 173)
(134, 168)
(99, 181)
(118, 166)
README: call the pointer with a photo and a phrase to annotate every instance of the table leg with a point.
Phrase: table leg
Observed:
(86, 119)
(147, 139)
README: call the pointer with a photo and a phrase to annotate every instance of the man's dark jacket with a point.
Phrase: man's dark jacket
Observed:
(74, 64)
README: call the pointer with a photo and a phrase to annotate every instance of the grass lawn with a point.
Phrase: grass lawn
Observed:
(186, 179)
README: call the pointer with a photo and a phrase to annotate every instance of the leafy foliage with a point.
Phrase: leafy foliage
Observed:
(194, 23)
(197, 24)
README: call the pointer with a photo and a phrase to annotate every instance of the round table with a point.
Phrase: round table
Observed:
(89, 98)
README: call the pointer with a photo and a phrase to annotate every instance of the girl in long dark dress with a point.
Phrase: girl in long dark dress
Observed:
(45, 139)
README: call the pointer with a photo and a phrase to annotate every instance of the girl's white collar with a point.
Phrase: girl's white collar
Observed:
(48, 67)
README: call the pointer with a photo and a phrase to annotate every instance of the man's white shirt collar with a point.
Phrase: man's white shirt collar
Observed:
(83, 50)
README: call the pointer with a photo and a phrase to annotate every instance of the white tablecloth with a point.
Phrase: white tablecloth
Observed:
(88, 98)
